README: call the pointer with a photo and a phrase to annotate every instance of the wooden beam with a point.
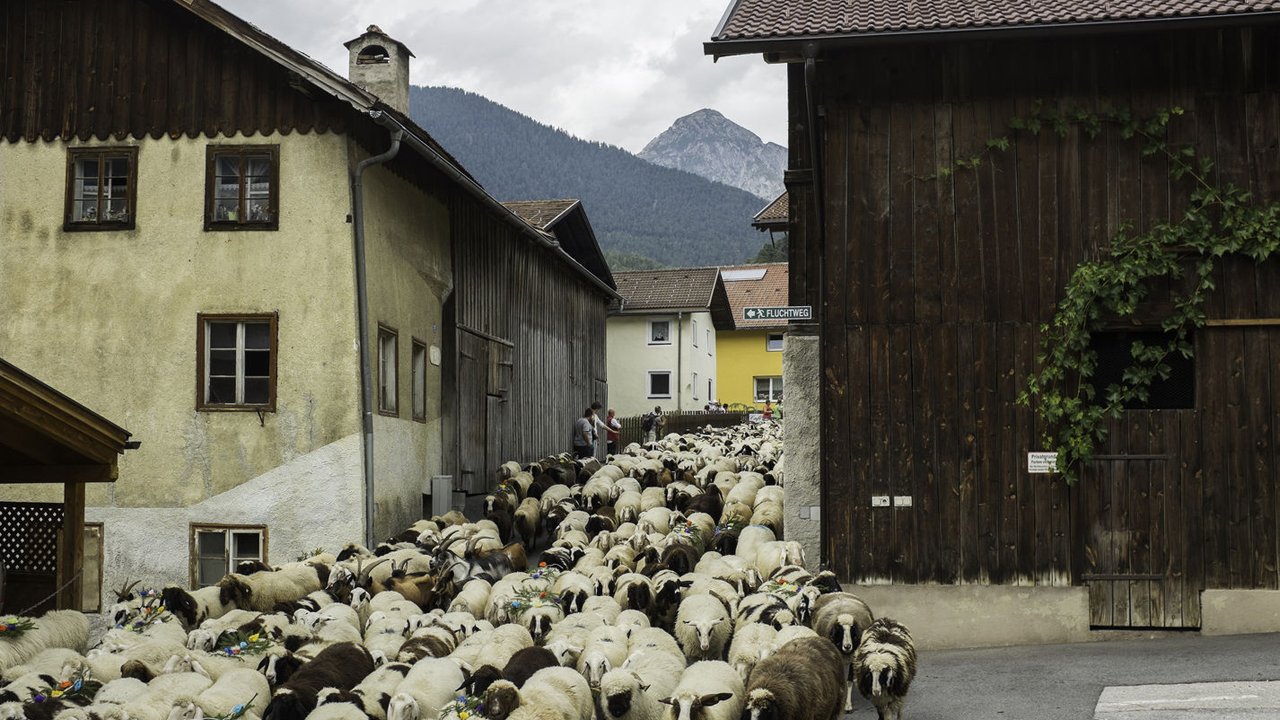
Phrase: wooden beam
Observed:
(1243, 322)
(23, 474)
(71, 562)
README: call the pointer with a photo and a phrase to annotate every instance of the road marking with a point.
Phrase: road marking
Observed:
(1178, 700)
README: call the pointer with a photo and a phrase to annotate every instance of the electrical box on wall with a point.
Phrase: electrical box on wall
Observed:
(879, 501)
(902, 501)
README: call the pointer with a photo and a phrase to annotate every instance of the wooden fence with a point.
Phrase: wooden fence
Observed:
(679, 422)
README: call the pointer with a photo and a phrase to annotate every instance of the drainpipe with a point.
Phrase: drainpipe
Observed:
(679, 358)
(362, 323)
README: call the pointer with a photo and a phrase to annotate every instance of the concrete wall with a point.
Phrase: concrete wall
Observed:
(410, 275)
(742, 358)
(631, 357)
(959, 616)
(1238, 612)
(800, 426)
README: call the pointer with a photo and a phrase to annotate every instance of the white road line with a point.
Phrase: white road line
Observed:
(1176, 700)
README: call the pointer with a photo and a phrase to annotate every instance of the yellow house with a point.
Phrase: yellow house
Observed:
(750, 361)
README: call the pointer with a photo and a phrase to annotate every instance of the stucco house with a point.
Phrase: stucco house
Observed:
(749, 354)
(662, 339)
(267, 272)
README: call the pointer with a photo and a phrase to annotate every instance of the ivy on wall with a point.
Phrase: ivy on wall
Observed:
(1221, 219)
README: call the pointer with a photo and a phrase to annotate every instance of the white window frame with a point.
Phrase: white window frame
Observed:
(768, 341)
(711, 396)
(229, 557)
(388, 371)
(695, 334)
(418, 379)
(648, 388)
(652, 323)
(773, 395)
(695, 386)
(708, 341)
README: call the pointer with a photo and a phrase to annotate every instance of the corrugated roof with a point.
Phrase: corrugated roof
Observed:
(667, 289)
(776, 19)
(540, 213)
(773, 214)
(769, 291)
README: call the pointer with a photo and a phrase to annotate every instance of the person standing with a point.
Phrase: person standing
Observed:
(584, 435)
(599, 428)
(613, 431)
(652, 424)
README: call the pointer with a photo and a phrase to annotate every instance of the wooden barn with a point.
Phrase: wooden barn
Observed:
(531, 293)
(930, 287)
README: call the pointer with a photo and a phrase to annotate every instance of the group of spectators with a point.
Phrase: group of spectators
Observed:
(588, 429)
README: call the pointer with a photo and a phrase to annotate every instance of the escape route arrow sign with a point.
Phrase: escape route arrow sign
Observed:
(791, 312)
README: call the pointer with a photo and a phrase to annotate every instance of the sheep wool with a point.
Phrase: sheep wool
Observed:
(803, 679)
(54, 629)
(884, 666)
(708, 690)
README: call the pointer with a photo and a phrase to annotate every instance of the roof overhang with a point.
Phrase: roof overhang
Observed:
(790, 48)
(46, 436)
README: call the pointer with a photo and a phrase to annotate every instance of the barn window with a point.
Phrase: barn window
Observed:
(236, 362)
(1115, 355)
(217, 549)
(773, 342)
(101, 188)
(387, 371)
(660, 332)
(768, 388)
(242, 187)
(659, 383)
(418, 369)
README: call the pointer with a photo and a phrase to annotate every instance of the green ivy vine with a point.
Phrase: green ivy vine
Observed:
(1220, 219)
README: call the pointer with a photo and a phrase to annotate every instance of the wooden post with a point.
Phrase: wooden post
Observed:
(71, 562)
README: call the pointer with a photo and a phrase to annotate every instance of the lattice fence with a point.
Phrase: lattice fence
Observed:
(29, 536)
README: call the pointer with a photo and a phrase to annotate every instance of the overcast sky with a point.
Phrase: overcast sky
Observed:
(618, 71)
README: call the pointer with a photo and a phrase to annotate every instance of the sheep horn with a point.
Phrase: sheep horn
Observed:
(362, 576)
(126, 590)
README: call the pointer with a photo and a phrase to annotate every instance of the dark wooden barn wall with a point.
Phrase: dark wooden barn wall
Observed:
(935, 289)
(515, 298)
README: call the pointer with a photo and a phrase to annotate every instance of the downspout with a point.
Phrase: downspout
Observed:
(679, 358)
(819, 231)
(362, 322)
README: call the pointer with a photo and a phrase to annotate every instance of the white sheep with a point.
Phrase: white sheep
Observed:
(750, 645)
(772, 555)
(428, 686)
(750, 539)
(607, 648)
(244, 686)
(556, 693)
(708, 690)
(703, 627)
(55, 629)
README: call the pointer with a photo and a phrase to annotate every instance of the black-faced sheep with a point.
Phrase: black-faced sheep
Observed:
(803, 679)
(341, 666)
(884, 666)
(550, 694)
(842, 618)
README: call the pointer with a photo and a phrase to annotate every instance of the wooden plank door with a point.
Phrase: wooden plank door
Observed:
(1134, 533)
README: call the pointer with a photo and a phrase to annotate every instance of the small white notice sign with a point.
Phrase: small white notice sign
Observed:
(1042, 462)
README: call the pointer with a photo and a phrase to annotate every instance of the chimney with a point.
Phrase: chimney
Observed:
(380, 65)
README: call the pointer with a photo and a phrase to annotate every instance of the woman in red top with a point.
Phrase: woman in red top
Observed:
(612, 432)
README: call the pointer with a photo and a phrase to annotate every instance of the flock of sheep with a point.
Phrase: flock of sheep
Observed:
(664, 591)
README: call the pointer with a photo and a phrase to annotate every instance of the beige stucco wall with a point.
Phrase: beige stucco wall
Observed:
(110, 317)
(631, 357)
(410, 275)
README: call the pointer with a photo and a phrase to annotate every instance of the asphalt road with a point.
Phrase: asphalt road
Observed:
(1064, 682)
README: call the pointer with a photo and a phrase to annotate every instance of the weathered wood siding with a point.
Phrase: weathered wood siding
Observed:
(935, 288)
(538, 329)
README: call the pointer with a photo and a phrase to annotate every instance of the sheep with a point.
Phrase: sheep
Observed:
(54, 629)
(842, 618)
(884, 666)
(428, 686)
(434, 641)
(550, 694)
(495, 647)
(625, 696)
(472, 598)
(607, 648)
(792, 632)
(773, 555)
(750, 645)
(526, 662)
(242, 686)
(262, 591)
(750, 539)
(193, 608)
(708, 690)
(769, 514)
(372, 695)
(339, 666)
(538, 620)
(764, 608)
(703, 627)
(632, 619)
(803, 679)
(606, 607)
(573, 589)
(634, 592)
(528, 521)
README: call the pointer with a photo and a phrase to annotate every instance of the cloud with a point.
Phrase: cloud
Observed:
(610, 70)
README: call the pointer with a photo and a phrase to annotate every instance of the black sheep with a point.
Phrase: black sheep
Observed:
(341, 666)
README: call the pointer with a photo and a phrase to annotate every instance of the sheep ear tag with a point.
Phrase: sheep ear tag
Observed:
(712, 699)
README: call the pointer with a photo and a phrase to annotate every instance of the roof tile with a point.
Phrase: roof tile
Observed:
(667, 288)
(761, 19)
(769, 291)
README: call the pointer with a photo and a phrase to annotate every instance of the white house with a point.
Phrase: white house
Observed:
(662, 339)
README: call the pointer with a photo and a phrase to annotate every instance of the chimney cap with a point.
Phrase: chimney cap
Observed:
(373, 31)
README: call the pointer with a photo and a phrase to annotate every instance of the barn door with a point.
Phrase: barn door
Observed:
(473, 411)
(1134, 532)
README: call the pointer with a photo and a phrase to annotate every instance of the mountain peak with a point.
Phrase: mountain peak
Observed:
(707, 143)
